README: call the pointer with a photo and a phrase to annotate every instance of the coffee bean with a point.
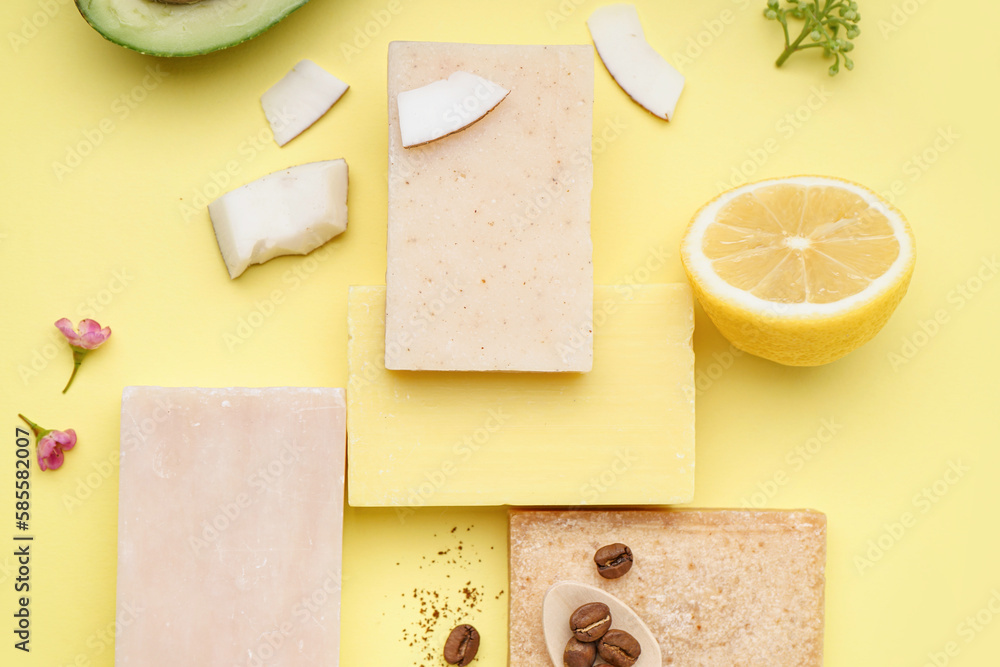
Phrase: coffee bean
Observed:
(590, 621)
(613, 560)
(619, 648)
(461, 646)
(579, 654)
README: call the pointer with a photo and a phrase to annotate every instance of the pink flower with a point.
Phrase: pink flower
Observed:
(89, 336)
(51, 444)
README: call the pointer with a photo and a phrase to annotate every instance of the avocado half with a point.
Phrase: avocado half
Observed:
(163, 29)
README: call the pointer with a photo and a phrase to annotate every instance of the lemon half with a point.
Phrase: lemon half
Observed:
(799, 270)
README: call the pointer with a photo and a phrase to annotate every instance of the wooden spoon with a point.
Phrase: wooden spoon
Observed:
(565, 597)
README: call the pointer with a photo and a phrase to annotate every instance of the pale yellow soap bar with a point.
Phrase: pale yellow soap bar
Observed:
(230, 515)
(489, 251)
(621, 434)
(717, 588)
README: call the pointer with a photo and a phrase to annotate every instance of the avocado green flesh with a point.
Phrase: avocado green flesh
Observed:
(183, 30)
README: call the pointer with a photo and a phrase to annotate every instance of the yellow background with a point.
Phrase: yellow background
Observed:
(111, 239)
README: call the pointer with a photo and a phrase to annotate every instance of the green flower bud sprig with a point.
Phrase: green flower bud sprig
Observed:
(828, 24)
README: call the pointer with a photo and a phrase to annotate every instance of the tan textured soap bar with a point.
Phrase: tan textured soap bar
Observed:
(489, 251)
(229, 527)
(718, 588)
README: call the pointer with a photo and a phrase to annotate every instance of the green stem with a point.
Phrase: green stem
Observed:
(35, 428)
(78, 356)
(793, 47)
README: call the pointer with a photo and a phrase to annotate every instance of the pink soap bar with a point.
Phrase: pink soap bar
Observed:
(230, 517)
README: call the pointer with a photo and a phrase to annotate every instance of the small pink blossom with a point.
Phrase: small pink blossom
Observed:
(51, 444)
(88, 336)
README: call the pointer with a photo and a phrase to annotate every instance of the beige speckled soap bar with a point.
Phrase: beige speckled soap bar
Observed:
(229, 527)
(489, 251)
(718, 588)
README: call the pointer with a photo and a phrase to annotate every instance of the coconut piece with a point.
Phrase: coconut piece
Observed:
(641, 72)
(289, 212)
(300, 99)
(445, 106)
